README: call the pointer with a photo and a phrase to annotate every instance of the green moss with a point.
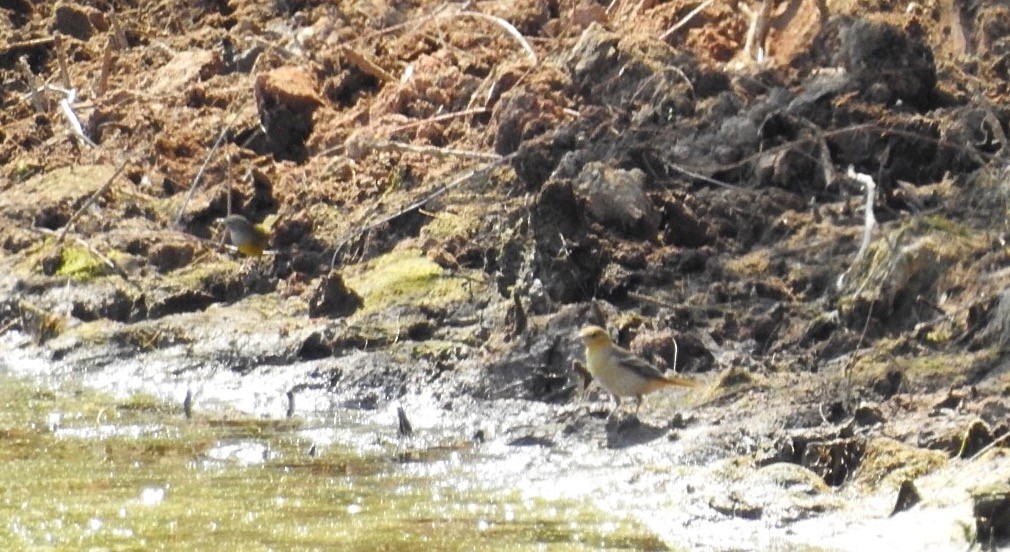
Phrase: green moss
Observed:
(142, 402)
(462, 222)
(437, 350)
(205, 274)
(80, 264)
(886, 463)
(23, 170)
(938, 369)
(942, 224)
(405, 277)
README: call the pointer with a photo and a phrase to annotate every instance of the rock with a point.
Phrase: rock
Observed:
(868, 415)
(316, 346)
(404, 428)
(538, 364)
(96, 300)
(286, 98)
(621, 71)
(888, 384)
(997, 330)
(991, 508)
(166, 302)
(531, 441)
(185, 69)
(629, 431)
(916, 271)
(170, 256)
(908, 496)
(682, 227)
(536, 157)
(834, 460)
(50, 199)
(657, 346)
(558, 226)
(889, 64)
(333, 298)
(994, 410)
(616, 197)
(976, 437)
(736, 506)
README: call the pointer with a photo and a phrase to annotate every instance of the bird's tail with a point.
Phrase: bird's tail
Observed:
(672, 381)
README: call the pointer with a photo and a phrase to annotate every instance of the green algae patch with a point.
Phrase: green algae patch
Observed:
(886, 463)
(78, 263)
(83, 471)
(928, 369)
(405, 277)
(461, 222)
(211, 275)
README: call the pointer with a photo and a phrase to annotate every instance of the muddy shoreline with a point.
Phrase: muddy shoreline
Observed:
(814, 225)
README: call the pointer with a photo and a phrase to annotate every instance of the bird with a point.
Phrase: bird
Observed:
(250, 239)
(622, 373)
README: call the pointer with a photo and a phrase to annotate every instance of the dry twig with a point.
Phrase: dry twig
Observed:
(509, 28)
(757, 32)
(466, 177)
(103, 76)
(366, 65)
(33, 87)
(870, 221)
(91, 199)
(686, 19)
(28, 44)
(385, 145)
(117, 32)
(196, 179)
(61, 61)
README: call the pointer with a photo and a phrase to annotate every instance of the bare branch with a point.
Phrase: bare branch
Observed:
(33, 87)
(464, 178)
(91, 199)
(687, 18)
(196, 179)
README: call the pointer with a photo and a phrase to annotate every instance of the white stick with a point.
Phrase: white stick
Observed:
(68, 113)
(870, 221)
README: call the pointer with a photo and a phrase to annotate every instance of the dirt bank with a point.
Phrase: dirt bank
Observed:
(813, 219)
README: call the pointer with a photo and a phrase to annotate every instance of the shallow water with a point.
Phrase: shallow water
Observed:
(85, 470)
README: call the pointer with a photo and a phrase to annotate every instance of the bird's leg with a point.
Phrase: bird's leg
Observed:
(638, 404)
(617, 406)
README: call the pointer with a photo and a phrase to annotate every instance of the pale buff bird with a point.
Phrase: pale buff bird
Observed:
(622, 373)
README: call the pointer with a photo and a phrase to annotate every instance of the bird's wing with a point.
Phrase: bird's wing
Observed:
(636, 364)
